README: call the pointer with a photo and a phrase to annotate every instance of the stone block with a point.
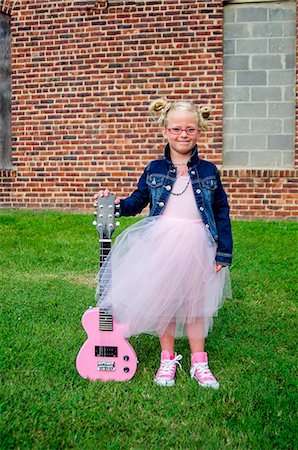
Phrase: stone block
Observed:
(252, 14)
(235, 30)
(289, 126)
(281, 109)
(251, 142)
(229, 78)
(268, 159)
(289, 28)
(266, 62)
(290, 61)
(268, 126)
(289, 93)
(229, 14)
(251, 109)
(235, 159)
(281, 77)
(281, 142)
(236, 126)
(229, 110)
(288, 159)
(236, 94)
(267, 29)
(252, 78)
(282, 12)
(229, 46)
(229, 141)
(284, 45)
(251, 46)
(266, 93)
(236, 62)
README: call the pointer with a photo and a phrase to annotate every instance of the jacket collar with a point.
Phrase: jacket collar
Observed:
(194, 157)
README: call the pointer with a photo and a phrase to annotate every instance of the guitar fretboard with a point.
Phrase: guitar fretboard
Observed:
(105, 318)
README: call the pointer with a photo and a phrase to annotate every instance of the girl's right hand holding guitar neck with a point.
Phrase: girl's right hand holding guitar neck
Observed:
(104, 193)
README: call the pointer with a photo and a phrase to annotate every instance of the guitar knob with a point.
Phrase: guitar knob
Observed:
(94, 222)
(126, 358)
(126, 369)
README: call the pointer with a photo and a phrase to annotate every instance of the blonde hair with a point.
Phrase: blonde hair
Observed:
(159, 110)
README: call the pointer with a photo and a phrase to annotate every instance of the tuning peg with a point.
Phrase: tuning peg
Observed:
(117, 214)
(95, 205)
(117, 206)
(94, 222)
(117, 224)
(100, 206)
(94, 213)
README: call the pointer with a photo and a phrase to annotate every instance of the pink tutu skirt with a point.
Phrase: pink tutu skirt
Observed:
(161, 271)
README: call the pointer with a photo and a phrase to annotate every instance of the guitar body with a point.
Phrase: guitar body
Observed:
(106, 355)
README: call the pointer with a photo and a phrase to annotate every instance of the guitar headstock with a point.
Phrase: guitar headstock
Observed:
(105, 215)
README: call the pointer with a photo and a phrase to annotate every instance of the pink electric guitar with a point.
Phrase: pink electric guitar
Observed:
(106, 355)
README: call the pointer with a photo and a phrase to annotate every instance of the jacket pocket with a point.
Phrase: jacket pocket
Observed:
(209, 183)
(155, 181)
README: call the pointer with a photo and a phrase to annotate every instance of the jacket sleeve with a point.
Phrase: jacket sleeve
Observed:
(221, 211)
(138, 200)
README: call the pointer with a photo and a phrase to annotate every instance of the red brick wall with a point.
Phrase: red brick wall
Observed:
(84, 73)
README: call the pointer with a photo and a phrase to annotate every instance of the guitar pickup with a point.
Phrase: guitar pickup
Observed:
(106, 351)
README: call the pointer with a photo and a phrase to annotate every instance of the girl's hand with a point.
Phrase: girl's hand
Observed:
(104, 193)
(218, 267)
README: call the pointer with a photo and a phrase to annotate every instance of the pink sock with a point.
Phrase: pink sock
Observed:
(199, 357)
(165, 354)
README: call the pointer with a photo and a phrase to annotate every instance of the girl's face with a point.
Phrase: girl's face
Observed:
(181, 144)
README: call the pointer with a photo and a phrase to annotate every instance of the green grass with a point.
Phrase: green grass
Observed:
(48, 265)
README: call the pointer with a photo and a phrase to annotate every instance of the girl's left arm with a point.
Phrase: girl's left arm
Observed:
(221, 211)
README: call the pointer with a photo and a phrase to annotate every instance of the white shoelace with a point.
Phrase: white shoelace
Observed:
(167, 365)
(203, 369)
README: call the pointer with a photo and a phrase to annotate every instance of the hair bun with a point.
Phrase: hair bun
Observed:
(159, 105)
(158, 110)
(205, 111)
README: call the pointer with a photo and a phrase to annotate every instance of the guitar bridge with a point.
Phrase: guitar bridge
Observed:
(106, 365)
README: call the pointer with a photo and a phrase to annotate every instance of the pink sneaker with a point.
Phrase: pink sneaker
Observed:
(201, 372)
(165, 375)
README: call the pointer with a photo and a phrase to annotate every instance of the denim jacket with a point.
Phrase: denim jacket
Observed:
(156, 183)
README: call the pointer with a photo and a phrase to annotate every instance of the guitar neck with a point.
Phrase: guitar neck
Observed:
(105, 319)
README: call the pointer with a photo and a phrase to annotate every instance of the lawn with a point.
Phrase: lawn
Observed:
(47, 280)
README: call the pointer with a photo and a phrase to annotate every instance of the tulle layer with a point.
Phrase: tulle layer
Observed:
(160, 271)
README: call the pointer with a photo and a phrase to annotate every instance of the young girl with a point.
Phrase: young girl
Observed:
(165, 274)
